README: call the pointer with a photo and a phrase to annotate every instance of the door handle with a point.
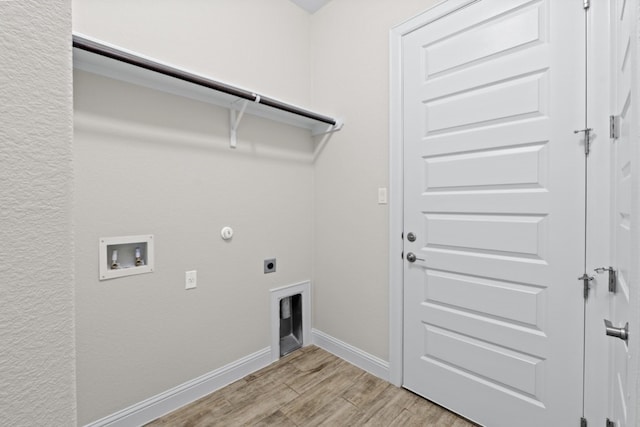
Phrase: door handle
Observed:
(411, 257)
(612, 331)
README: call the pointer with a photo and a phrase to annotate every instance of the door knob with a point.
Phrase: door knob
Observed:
(411, 257)
(612, 331)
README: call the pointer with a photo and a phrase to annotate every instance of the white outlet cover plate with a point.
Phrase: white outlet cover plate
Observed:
(191, 279)
(382, 196)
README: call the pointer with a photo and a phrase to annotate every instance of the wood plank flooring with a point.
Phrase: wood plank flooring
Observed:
(311, 387)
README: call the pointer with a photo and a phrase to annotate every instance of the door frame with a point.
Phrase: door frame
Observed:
(598, 241)
(396, 185)
(634, 274)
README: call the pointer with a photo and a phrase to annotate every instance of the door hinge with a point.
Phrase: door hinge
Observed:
(586, 4)
(614, 127)
(613, 277)
(610, 423)
(587, 139)
(583, 422)
(586, 279)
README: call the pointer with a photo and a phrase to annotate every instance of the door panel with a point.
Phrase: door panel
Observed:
(623, 50)
(494, 191)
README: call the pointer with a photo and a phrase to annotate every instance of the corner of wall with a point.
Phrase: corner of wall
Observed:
(37, 356)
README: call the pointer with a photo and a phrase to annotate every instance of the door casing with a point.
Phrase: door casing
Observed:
(598, 213)
(624, 44)
(396, 226)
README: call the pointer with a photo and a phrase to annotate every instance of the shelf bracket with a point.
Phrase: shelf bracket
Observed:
(235, 117)
(326, 135)
(329, 129)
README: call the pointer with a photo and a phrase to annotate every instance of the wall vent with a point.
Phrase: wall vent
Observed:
(290, 318)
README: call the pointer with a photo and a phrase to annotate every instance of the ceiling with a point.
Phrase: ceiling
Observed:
(311, 6)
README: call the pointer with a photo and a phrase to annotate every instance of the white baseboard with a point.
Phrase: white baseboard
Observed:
(175, 398)
(170, 400)
(351, 354)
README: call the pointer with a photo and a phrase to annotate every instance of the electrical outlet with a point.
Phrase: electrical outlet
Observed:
(190, 279)
(269, 265)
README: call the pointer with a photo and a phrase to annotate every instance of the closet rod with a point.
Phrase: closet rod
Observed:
(129, 58)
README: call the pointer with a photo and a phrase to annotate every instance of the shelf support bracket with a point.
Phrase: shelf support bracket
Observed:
(326, 135)
(235, 117)
(330, 129)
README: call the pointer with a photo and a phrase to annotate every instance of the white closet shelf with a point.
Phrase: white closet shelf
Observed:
(111, 61)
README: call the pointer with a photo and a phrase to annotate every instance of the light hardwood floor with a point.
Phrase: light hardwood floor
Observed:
(311, 387)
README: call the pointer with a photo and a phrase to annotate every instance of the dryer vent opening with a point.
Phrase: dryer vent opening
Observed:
(290, 324)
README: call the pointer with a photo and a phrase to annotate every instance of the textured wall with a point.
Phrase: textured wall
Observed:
(149, 162)
(36, 281)
(350, 65)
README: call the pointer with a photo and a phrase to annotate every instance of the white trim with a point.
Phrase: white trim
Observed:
(395, 178)
(634, 307)
(127, 267)
(396, 225)
(302, 288)
(599, 210)
(170, 400)
(351, 354)
(435, 12)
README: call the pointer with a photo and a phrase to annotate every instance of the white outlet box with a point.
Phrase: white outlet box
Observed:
(118, 256)
(190, 279)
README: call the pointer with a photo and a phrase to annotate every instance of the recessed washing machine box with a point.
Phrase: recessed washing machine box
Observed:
(125, 256)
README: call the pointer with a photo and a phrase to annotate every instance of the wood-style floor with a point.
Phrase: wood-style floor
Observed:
(311, 387)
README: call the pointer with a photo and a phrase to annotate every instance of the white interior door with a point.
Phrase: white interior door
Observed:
(494, 195)
(622, 402)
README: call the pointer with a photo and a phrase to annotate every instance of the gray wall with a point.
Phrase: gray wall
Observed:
(257, 44)
(152, 163)
(144, 157)
(350, 63)
(37, 370)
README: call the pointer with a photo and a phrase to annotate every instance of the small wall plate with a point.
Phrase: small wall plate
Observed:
(269, 265)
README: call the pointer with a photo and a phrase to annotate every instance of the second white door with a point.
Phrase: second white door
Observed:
(625, 235)
(494, 199)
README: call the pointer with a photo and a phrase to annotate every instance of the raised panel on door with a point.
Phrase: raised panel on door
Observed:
(494, 191)
(623, 19)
